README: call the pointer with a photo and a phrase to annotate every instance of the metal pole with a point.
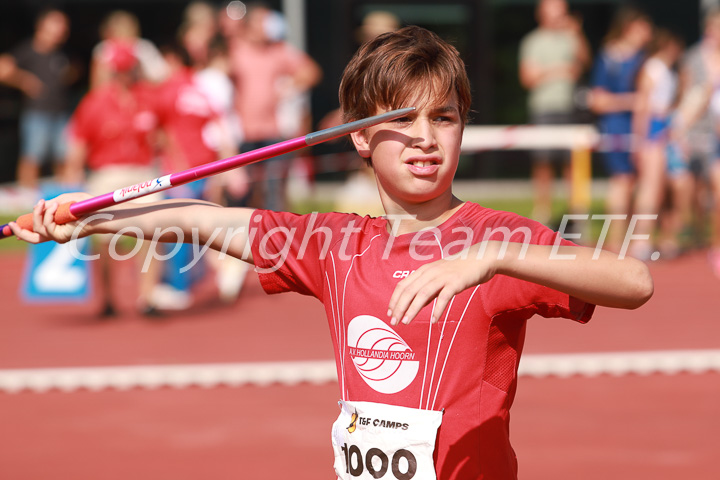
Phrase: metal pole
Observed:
(294, 11)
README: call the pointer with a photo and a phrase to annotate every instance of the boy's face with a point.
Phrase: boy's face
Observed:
(415, 157)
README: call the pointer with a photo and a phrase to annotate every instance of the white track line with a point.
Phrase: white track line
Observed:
(669, 362)
(177, 376)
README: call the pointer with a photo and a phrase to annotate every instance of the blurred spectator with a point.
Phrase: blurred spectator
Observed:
(195, 133)
(214, 82)
(122, 26)
(261, 64)
(42, 72)
(199, 27)
(613, 99)
(223, 136)
(677, 218)
(230, 20)
(699, 68)
(376, 23)
(183, 112)
(359, 193)
(700, 76)
(656, 94)
(552, 59)
(110, 134)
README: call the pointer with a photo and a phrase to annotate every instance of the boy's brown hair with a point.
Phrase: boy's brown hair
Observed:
(388, 71)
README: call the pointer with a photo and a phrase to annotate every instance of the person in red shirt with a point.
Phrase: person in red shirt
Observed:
(110, 136)
(184, 112)
(426, 306)
(194, 133)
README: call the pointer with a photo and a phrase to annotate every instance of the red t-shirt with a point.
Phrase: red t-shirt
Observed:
(465, 364)
(116, 127)
(184, 112)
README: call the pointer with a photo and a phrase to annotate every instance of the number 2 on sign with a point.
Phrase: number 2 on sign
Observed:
(356, 464)
(58, 273)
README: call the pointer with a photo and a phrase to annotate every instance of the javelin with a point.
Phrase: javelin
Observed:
(71, 211)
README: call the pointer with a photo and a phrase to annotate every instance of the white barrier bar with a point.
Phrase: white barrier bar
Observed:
(578, 139)
(529, 137)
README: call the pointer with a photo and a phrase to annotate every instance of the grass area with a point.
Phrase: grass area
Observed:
(10, 244)
(524, 207)
(521, 206)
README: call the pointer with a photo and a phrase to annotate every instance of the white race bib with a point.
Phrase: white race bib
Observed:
(378, 441)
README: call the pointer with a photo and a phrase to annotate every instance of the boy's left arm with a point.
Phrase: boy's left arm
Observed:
(596, 277)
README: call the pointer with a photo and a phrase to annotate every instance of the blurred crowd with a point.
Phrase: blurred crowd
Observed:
(657, 108)
(229, 83)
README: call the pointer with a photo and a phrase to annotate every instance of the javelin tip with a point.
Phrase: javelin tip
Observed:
(340, 130)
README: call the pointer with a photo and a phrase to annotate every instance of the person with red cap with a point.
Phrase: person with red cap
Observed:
(111, 137)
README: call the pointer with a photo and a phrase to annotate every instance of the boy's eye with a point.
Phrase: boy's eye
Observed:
(402, 120)
(444, 119)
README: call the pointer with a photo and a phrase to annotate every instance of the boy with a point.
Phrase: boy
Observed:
(427, 317)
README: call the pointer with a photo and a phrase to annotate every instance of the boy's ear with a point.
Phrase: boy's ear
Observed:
(361, 142)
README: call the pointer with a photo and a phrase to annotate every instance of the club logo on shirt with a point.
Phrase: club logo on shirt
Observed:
(381, 357)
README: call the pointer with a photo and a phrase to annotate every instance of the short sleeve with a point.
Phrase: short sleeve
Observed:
(525, 49)
(289, 250)
(511, 298)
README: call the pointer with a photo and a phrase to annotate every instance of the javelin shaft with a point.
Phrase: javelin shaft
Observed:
(159, 184)
(149, 187)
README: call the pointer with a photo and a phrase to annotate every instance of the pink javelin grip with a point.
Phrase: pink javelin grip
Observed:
(71, 211)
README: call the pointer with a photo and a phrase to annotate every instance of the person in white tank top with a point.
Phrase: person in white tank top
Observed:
(657, 91)
(664, 81)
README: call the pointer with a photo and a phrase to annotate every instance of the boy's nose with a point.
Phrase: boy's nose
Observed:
(423, 134)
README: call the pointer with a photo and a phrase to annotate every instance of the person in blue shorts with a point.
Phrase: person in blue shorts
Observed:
(613, 99)
(40, 69)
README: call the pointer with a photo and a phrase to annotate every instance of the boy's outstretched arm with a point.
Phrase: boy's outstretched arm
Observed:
(606, 280)
(224, 229)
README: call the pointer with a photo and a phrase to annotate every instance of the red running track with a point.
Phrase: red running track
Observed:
(658, 427)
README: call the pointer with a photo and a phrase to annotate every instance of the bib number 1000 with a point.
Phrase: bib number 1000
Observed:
(402, 464)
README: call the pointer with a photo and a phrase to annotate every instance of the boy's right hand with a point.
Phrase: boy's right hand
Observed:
(44, 227)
